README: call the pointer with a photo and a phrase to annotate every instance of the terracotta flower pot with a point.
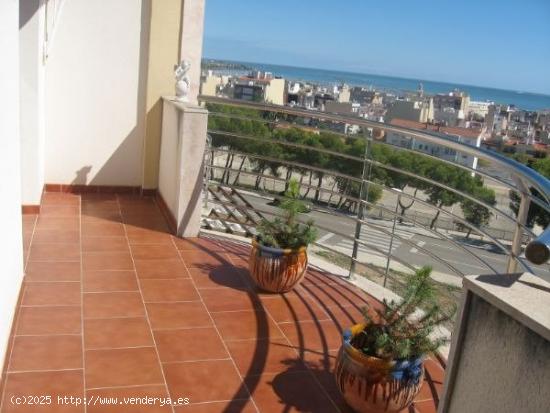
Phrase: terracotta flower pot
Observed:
(277, 270)
(372, 385)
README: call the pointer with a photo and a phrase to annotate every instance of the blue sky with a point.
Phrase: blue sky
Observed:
(502, 44)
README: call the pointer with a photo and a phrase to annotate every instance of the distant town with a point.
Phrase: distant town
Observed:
(504, 128)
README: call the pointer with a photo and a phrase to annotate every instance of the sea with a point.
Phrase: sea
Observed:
(522, 100)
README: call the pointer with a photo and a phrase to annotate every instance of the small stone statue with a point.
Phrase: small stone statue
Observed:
(183, 83)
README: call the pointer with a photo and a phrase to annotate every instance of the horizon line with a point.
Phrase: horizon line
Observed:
(380, 75)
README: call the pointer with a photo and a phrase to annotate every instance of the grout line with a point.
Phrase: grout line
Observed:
(284, 336)
(145, 307)
(50, 281)
(82, 300)
(182, 328)
(47, 335)
(51, 305)
(43, 371)
(111, 291)
(130, 386)
(195, 361)
(219, 401)
(218, 332)
(118, 348)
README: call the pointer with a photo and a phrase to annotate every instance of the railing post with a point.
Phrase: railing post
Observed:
(521, 219)
(392, 236)
(208, 162)
(363, 194)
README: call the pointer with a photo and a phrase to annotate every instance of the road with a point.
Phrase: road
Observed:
(408, 245)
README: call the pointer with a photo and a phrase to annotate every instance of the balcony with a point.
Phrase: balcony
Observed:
(131, 279)
(154, 315)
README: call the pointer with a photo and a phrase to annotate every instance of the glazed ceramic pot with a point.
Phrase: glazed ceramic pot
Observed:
(277, 270)
(373, 385)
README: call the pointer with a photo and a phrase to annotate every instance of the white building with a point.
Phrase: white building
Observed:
(479, 108)
(468, 136)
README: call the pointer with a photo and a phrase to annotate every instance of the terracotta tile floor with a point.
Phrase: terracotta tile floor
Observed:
(114, 306)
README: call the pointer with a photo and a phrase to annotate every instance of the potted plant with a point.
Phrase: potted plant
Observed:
(380, 366)
(278, 260)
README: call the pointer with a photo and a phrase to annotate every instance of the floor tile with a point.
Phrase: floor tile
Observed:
(117, 336)
(117, 333)
(244, 325)
(106, 305)
(48, 236)
(220, 277)
(204, 260)
(289, 391)
(143, 236)
(57, 198)
(59, 210)
(161, 268)
(92, 261)
(198, 244)
(52, 294)
(285, 308)
(110, 280)
(105, 244)
(178, 315)
(345, 317)
(177, 289)
(46, 353)
(101, 228)
(189, 344)
(313, 336)
(52, 271)
(58, 223)
(51, 383)
(228, 299)
(235, 406)
(148, 252)
(264, 356)
(127, 393)
(122, 367)
(194, 380)
(49, 320)
(338, 295)
(55, 252)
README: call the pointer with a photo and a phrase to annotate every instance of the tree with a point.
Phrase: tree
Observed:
(450, 176)
(536, 214)
(475, 213)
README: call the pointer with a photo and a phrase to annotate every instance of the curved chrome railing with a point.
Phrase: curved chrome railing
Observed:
(525, 180)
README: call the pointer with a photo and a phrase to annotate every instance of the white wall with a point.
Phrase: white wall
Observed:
(95, 92)
(10, 191)
(31, 29)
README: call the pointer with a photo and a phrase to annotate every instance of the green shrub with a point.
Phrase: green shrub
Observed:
(287, 232)
(394, 333)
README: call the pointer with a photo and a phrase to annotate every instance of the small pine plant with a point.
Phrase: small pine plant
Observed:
(394, 333)
(288, 232)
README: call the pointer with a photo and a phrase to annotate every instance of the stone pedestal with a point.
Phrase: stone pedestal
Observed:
(181, 172)
(500, 353)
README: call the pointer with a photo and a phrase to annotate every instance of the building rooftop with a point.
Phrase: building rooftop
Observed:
(448, 130)
(112, 305)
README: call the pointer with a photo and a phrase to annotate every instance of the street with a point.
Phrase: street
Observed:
(378, 234)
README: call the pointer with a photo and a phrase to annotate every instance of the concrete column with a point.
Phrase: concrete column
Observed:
(192, 27)
(182, 163)
(31, 39)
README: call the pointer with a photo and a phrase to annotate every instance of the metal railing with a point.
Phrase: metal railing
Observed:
(243, 179)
